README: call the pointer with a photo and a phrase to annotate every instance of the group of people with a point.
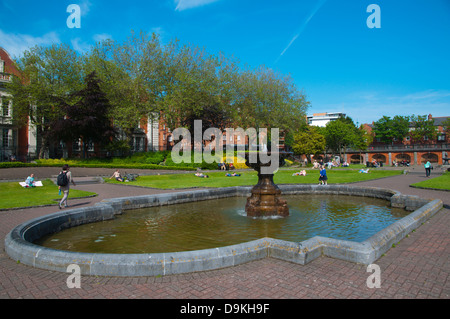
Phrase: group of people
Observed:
(225, 166)
(401, 163)
(329, 164)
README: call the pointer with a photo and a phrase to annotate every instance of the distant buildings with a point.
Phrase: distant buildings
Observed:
(15, 142)
(321, 119)
(433, 150)
(152, 134)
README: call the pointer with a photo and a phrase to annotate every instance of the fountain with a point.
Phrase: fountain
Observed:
(265, 197)
(20, 242)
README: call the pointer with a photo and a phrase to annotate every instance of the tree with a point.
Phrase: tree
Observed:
(309, 142)
(198, 85)
(49, 76)
(387, 129)
(130, 76)
(87, 119)
(446, 126)
(422, 128)
(339, 135)
(362, 139)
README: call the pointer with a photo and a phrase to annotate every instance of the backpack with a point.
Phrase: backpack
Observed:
(62, 179)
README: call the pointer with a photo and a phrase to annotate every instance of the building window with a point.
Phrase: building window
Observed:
(441, 137)
(76, 145)
(2, 66)
(5, 138)
(4, 107)
(90, 146)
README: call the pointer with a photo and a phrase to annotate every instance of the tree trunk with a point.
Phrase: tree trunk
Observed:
(43, 147)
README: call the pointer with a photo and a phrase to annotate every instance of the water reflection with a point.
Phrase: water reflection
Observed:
(222, 222)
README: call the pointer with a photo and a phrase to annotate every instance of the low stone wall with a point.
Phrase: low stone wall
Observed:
(19, 246)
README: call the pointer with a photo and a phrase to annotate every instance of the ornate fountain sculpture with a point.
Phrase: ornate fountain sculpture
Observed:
(265, 199)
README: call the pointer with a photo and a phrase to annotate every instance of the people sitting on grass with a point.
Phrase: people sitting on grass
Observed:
(117, 176)
(301, 173)
(232, 174)
(29, 182)
(198, 174)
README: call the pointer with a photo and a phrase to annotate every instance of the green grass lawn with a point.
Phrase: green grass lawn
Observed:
(441, 182)
(13, 195)
(249, 177)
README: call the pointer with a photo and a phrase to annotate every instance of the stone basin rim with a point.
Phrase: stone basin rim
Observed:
(19, 246)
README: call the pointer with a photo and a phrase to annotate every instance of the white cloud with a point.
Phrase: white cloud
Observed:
(189, 4)
(101, 36)
(16, 44)
(80, 46)
(85, 7)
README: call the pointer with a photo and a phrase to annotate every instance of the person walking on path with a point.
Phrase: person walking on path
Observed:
(427, 168)
(63, 181)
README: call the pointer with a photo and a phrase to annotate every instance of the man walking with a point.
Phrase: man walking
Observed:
(427, 168)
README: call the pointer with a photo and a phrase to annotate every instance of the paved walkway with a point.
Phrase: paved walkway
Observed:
(418, 267)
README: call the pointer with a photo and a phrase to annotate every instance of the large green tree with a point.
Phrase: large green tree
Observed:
(49, 76)
(87, 119)
(309, 142)
(130, 76)
(389, 129)
(423, 128)
(340, 134)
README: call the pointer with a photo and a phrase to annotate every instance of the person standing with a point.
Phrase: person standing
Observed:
(427, 168)
(323, 179)
(64, 180)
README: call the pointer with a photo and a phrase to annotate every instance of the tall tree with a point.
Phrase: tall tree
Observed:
(87, 119)
(49, 76)
(387, 129)
(423, 128)
(309, 141)
(129, 74)
(339, 135)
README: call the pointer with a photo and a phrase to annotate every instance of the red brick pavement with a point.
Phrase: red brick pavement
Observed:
(418, 267)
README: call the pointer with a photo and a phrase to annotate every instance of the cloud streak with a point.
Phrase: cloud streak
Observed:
(302, 27)
(189, 4)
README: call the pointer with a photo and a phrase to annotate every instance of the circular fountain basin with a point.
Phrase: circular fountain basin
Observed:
(223, 222)
(20, 242)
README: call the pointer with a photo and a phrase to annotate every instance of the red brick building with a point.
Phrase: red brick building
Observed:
(14, 141)
(433, 150)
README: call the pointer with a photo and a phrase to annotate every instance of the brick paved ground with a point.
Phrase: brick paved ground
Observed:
(418, 267)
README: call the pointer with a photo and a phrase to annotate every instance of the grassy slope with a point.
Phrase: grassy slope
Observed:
(13, 195)
(441, 182)
(249, 177)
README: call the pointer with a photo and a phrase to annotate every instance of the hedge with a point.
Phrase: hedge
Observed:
(104, 165)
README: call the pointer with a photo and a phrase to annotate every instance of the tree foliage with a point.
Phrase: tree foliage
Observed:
(49, 75)
(143, 77)
(309, 141)
(387, 129)
(422, 128)
(87, 119)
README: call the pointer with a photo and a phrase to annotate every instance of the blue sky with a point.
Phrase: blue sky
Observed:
(339, 63)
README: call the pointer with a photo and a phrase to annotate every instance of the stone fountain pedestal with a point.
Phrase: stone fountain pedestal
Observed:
(265, 199)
